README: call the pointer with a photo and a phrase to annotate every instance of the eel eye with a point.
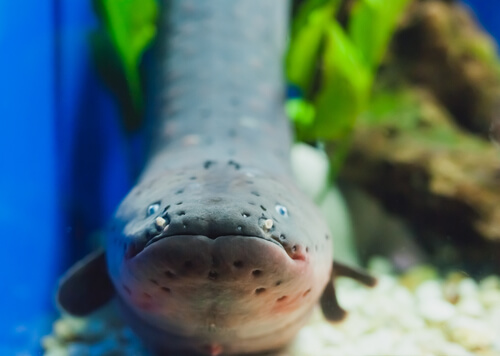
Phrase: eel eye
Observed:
(281, 210)
(153, 209)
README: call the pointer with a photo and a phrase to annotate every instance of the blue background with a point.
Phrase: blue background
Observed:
(65, 162)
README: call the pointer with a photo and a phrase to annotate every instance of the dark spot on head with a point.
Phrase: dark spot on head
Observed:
(278, 283)
(280, 299)
(154, 281)
(170, 274)
(166, 208)
(251, 203)
(192, 178)
(263, 208)
(165, 289)
(234, 164)
(307, 249)
(180, 191)
(238, 264)
(231, 133)
(256, 194)
(212, 275)
(127, 289)
(208, 164)
(179, 203)
(256, 272)
(260, 290)
(181, 213)
(282, 237)
(327, 237)
(306, 292)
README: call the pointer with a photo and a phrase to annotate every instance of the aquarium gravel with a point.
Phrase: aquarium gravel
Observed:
(412, 314)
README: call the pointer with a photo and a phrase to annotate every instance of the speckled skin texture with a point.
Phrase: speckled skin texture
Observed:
(240, 256)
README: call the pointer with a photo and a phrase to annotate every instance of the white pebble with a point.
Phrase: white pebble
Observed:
(470, 307)
(468, 288)
(489, 297)
(380, 265)
(471, 333)
(436, 310)
(57, 351)
(451, 349)
(429, 290)
(490, 283)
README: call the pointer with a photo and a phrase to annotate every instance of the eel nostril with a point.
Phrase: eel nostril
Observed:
(170, 274)
(238, 264)
(282, 298)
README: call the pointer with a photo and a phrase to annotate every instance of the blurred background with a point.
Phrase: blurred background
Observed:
(65, 159)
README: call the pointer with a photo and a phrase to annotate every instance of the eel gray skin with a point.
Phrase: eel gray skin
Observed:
(215, 250)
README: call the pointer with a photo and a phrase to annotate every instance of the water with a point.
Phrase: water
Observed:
(66, 166)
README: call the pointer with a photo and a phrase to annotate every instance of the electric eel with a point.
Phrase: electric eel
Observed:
(215, 250)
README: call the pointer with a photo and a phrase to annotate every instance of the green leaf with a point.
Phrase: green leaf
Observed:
(131, 25)
(372, 25)
(300, 111)
(344, 90)
(304, 49)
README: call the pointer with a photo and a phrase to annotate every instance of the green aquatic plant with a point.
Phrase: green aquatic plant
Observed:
(130, 26)
(347, 59)
(334, 66)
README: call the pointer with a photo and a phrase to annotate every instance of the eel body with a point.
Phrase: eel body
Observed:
(215, 250)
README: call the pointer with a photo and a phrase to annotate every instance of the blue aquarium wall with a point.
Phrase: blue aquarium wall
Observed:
(65, 160)
(488, 14)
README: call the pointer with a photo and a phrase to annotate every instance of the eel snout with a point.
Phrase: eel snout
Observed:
(193, 281)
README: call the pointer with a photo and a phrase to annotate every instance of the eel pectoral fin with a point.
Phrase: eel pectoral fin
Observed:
(86, 286)
(358, 274)
(329, 304)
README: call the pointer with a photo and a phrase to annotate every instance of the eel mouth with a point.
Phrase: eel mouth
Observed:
(164, 234)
